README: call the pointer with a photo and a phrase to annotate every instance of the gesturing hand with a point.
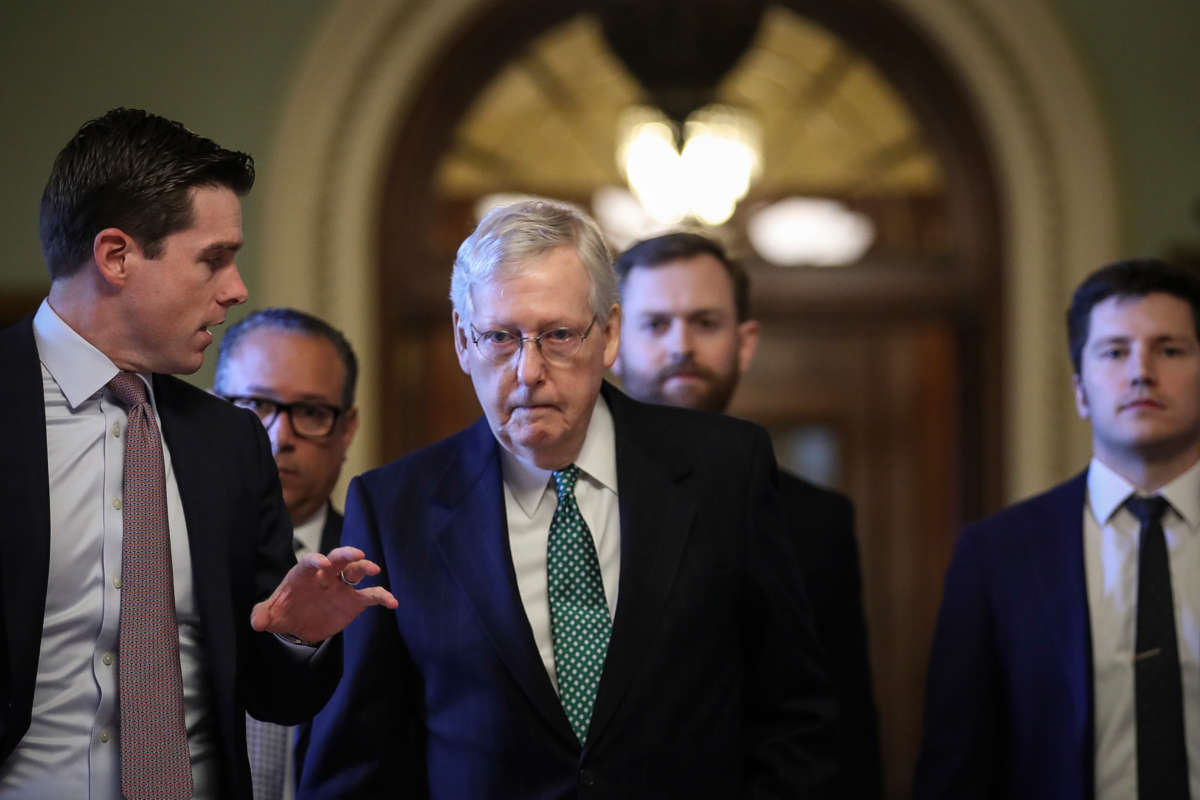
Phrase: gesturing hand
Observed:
(313, 602)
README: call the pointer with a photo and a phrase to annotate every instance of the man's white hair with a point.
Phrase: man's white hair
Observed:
(510, 235)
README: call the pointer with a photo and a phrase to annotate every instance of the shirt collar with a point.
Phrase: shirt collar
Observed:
(79, 369)
(1108, 491)
(1183, 494)
(597, 460)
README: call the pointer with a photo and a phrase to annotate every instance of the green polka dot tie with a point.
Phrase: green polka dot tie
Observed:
(579, 623)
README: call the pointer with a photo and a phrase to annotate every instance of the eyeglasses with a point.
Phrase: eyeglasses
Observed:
(308, 420)
(558, 346)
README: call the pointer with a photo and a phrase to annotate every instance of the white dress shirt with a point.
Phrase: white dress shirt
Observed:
(307, 535)
(72, 747)
(1111, 540)
(529, 502)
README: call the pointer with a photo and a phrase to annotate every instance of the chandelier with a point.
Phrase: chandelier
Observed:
(699, 170)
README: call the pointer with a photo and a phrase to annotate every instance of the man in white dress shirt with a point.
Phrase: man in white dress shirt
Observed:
(1066, 662)
(297, 373)
(140, 225)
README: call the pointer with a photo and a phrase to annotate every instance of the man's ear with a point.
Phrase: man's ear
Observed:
(612, 335)
(461, 343)
(747, 343)
(113, 251)
(1081, 398)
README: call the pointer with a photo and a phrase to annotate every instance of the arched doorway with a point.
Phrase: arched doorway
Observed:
(374, 128)
(885, 358)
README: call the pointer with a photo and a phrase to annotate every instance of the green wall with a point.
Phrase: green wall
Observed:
(221, 67)
(1142, 57)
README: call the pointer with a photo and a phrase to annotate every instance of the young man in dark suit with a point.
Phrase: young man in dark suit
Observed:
(296, 372)
(686, 338)
(593, 599)
(147, 581)
(1066, 658)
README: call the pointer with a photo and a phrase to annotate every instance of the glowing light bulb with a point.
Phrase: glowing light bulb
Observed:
(719, 161)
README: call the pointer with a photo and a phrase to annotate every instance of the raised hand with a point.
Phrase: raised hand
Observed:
(317, 598)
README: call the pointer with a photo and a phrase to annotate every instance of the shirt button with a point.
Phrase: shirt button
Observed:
(116, 430)
(107, 658)
(117, 582)
(105, 736)
(116, 503)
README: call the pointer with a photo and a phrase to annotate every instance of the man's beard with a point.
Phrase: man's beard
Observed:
(712, 392)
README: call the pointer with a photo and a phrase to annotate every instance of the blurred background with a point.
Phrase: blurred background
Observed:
(915, 187)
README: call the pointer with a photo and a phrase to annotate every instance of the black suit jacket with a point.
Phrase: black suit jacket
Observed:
(240, 542)
(822, 524)
(331, 536)
(1009, 705)
(711, 687)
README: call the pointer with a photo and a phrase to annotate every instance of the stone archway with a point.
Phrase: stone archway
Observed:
(1047, 135)
(368, 67)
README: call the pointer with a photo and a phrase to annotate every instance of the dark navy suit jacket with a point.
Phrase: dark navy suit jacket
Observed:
(240, 542)
(1009, 707)
(711, 687)
(822, 523)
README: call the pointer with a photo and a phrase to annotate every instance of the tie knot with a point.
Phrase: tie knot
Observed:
(564, 479)
(1147, 509)
(129, 389)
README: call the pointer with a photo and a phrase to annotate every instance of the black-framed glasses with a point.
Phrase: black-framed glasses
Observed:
(308, 420)
(558, 345)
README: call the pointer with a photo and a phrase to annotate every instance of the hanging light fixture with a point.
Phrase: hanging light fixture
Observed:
(722, 155)
(703, 178)
(647, 157)
(810, 231)
(684, 156)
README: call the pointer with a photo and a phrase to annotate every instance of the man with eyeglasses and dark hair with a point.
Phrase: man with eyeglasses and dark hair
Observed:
(297, 373)
(594, 599)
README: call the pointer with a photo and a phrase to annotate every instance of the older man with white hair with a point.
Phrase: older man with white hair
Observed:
(591, 596)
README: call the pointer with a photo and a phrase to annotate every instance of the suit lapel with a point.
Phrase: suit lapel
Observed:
(656, 512)
(1061, 577)
(331, 533)
(200, 481)
(25, 545)
(471, 533)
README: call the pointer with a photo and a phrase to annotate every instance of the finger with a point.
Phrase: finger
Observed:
(378, 596)
(339, 557)
(357, 570)
(352, 573)
(259, 616)
(314, 561)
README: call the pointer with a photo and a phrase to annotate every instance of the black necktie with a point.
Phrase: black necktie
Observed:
(1162, 765)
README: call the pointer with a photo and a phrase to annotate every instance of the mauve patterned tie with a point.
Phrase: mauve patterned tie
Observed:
(154, 748)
